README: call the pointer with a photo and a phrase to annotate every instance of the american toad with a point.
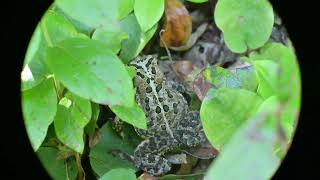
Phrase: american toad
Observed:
(169, 124)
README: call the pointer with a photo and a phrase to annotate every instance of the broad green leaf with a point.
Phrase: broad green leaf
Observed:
(51, 29)
(56, 28)
(239, 77)
(133, 115)
(96, 13)
(289, 82)
(247, 77)
(101, 158)
(248, 154)
(68, 131)
(119, 173)
(91, 71)
(245, 24)
(80, 109)
(56, 168)
(91, 126)
(111, 35)
(267, 73)
(92, 13)
(148, 12)
(132, 46)
(124, 8)
(224, 78)
(72, 116)
(197, 1)
(34, 69)
(39, 106)
(80, 26)
(132, 71)
(224, 110)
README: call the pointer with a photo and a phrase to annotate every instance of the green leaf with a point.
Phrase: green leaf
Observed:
(56, 168)
(124, 8)
(132, 71)
(51, 29)
(80, 26)
(267, 73)
(239, 77)
(101, 158)
(133, 115)
(68, 131)
(224, 78)
(148, 12)
(34, 69)
(132, 46)
(56, 28)
(72, 116)
(91, 126)
(119, 173)
(96, 13)
(245, 23)
(247, 77)
(224, 110)
(80, 109)
(111, 35)
(92, 13)
(289, 82)
(251, 146)
(91, 71)
(39, 106)
(197, 1)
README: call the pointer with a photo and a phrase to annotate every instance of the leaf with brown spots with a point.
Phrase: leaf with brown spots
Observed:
(177, 24)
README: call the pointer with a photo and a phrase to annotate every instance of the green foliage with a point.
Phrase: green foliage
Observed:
(286, 81)
(57, 168)
(91, 126)
(119, 173)
(148, 12)
(289, 73)
(133, 115)
(37, 118)
(251, 146)
(245, 24)
(79, 63)
(267, 73)
(72, 116)
(242, 77)
(112, 35)
(101, 158)
(224, 110)
(96, 13)
(132, 46)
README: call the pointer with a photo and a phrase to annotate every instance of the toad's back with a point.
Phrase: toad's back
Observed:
(163, 106)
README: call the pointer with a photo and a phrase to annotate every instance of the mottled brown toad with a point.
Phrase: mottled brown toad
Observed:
(169, 124)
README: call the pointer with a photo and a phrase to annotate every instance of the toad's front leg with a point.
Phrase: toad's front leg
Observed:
(148, 155)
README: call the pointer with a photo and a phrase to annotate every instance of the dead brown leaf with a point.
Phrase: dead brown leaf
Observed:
(177, 24)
